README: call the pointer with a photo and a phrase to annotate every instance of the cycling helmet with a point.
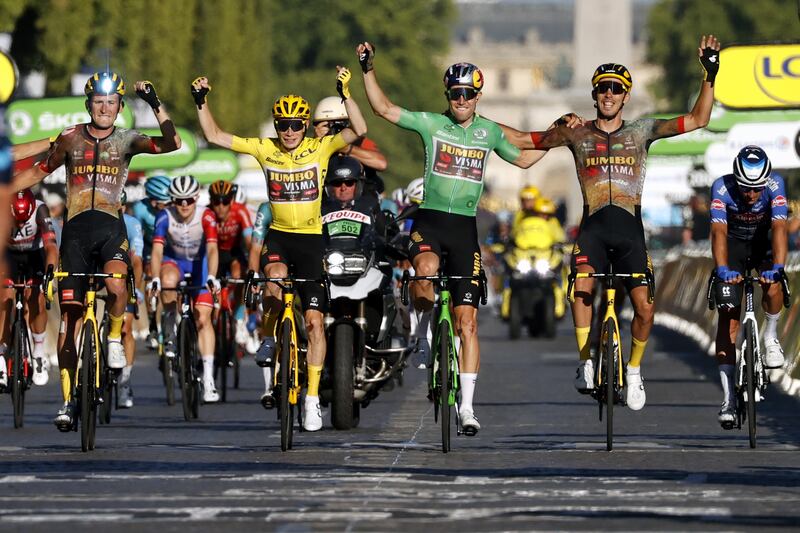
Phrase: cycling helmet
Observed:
(330, 108)
(239, 195)
(504, 217)
(221, 189)
(344, 167)
(465, 74)
(291, 106)
(529, 193)
(613, 71)
(157, 188)
(104, 83)
(752, 167)
(23, 206)
(184, 187)
(545, 206)
(399, 196)
(415, 192)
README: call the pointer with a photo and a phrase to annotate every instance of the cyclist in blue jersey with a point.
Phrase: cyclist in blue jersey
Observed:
(748, 230)
(145, 211)
(136, 240)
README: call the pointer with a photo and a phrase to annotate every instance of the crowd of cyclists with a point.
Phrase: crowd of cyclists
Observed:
(168, 234)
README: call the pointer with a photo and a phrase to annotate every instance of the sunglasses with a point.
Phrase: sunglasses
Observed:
(346, 183)
(744, 188)
(183, 202)
(468, 93)
(603, 86)
(223, 201)
(286, 125)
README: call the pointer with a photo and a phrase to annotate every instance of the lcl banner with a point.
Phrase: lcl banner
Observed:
(759, 76)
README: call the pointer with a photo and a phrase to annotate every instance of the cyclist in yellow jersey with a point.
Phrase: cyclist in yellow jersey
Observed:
(295, 168)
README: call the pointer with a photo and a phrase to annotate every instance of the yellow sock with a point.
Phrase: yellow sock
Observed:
(314, 373)
(115, 329)
(268, 321)
(637, 352)
(66, 383)
(582, 335)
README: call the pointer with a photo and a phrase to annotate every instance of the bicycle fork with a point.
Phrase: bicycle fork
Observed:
(617, 355)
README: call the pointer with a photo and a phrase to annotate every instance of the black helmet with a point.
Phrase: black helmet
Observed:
(342, 168)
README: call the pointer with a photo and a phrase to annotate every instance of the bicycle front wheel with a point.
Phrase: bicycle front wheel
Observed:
(224, 343)
(287, 411)
(88, 393)
(185, 371)
(17, 379)
(609, 333)
(750, 382)
(444, 385)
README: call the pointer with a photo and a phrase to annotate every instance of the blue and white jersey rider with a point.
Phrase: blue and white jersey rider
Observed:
(748, 222)
(146, 209)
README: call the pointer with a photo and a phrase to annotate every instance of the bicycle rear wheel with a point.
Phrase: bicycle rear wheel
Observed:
(287, 411)
(88, 391)
(444, 384)
(750, 383)
(609, 331)
(17, 375)
(185, 370)
(224, 349)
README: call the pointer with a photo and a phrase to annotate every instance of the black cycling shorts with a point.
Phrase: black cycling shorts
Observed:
(226, 258)
(88, 242)
(30, 263)
(753, 254)
(612, 235)
(456, 236)
(303, 253)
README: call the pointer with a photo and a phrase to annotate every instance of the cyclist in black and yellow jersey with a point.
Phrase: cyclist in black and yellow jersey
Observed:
(96, 156)
(295, 168)
(610, 156)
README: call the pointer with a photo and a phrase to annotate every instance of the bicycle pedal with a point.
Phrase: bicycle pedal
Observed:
(727, 425)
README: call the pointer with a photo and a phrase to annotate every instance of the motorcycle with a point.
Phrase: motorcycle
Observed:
(534, 294)
(360, 323)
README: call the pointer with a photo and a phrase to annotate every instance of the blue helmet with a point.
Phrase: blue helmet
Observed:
(157, 188)
(752, 167)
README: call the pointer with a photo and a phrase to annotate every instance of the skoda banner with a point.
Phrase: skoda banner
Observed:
(31, 120)
(759, 76)
(209, 166)
(179, 158)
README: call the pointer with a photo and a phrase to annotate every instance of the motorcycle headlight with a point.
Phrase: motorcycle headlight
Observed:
(334, 259)
(524, 266)
(337, 264)
(542, 266)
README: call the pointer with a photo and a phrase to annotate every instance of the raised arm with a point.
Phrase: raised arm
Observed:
(380, 103)
(708, 52)
(358, 126)
(212, 132)
(169, 140)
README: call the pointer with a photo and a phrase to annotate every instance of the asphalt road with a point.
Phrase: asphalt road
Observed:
(539, 462)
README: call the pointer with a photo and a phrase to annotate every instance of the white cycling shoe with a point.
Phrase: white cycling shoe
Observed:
(41, 369)
(116, 354)
(210, 394)
(584, 377)
(312, 414)
(64, 417)
(125, 396)
(469, 422)
(727, 414)
(634, 389)
(773, 358)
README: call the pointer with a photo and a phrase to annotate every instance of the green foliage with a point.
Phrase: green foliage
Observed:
(675, 28)
(251, 50)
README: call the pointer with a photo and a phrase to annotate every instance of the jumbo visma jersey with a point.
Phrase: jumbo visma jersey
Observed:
(294, 179)
(455, 158)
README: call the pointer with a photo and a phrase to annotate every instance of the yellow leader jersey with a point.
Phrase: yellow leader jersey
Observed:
(294, 179)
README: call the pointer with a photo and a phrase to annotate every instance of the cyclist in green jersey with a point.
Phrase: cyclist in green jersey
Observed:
(610, 156)
(457, 144)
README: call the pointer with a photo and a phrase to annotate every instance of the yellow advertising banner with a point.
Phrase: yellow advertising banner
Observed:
(759, 76)
(8, 77)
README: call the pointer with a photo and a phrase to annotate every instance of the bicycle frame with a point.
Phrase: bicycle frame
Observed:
(444, 326)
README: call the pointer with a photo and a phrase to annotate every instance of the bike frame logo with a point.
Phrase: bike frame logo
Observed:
(764, 76)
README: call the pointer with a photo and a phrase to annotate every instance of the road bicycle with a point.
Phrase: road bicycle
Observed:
(609, 377)
(443, 370)
(86, 387)
(751, 378)
(226, 354)
(291, 350)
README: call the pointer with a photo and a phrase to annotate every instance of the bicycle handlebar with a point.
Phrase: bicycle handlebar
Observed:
(250, 281)
(441, 280)
(748, 279)
(648, 276)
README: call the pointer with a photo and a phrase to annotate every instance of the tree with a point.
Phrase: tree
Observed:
(675, 26)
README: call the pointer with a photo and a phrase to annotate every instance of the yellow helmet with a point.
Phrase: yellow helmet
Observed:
(291, 106)
(221, 189)
(104, 83)
(545, 206)
(529, 193)
(614, 71)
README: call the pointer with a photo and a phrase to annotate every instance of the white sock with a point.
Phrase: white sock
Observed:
(726, 378)
(267, 378)
(38, 343)
(126, 374)
(2, 365)
(771, 325)
(208, 369)
(424, 325)
(467, 390)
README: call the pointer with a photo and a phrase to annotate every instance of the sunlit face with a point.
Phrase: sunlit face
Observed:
(291, 131)
(751, 194)
(344, 190)
(104, 108)
(462, 108)
(610, 96)
(185, 207)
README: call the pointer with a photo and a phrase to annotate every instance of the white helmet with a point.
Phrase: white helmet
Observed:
(330, 108)
(415, 191)
(399, 196)
(184, 187)
(240, 196)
